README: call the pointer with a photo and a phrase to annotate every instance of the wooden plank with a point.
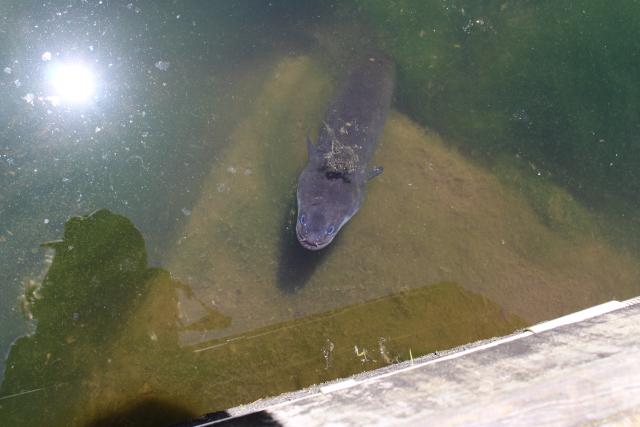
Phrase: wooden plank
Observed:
(585, 373)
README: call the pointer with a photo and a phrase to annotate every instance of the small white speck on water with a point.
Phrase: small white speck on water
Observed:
(46, 221)
(231, 170)
(46, 56)
(163, 65)
(186, 212)
(28, 98)
(7, 70)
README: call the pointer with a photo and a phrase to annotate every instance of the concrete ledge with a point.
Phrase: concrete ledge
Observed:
(583, 368)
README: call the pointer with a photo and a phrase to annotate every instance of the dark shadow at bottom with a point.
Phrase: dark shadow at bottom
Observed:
(151, 412)
(222, 418)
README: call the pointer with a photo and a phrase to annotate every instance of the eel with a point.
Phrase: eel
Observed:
(331, 187)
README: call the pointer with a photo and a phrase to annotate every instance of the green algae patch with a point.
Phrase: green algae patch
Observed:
(551, 82)
(284, 357)
(294, 354)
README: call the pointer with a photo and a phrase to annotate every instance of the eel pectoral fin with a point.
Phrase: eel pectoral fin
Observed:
(373, 172)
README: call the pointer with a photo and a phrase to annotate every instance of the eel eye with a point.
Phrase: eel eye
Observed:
(302, 219)
(330, 229)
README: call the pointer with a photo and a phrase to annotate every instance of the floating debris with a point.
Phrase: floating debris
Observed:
(163, 65)
(28, 98)
(327, 353)
(383, 351)
(342, 159)
(363, 355)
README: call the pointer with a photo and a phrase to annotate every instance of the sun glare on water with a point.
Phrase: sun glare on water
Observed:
(71, 83)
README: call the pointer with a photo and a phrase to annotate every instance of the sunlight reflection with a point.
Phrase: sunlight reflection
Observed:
(71, 83)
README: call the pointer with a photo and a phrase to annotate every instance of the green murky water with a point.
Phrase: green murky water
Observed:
(508, 195)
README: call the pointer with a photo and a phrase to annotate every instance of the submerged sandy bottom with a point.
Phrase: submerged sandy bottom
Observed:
(432, 216)
(442, 253)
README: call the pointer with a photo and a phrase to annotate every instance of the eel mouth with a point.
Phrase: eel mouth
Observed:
(309, 244)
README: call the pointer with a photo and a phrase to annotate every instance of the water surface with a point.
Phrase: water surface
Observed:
(158, 147)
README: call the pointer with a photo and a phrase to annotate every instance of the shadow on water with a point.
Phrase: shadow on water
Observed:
(156, 412)
(223, 418)
(149, 412)
(97, 276)
(94, 289)
(296, 264)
